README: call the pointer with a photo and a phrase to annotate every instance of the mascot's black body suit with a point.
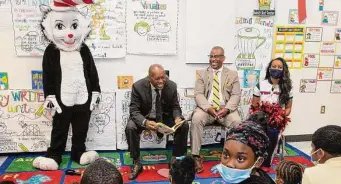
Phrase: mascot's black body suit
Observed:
(71, 84)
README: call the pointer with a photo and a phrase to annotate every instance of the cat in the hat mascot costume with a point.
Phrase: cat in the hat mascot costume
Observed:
(71, 84)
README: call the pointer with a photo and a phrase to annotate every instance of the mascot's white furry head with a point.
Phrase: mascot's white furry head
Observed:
(66, 25)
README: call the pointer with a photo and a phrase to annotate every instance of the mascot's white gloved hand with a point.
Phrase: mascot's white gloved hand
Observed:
(94, 100)
(52, 104)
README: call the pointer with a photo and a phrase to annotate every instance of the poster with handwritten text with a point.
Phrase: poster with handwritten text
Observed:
(148, 138)
(325, 74)
(335, 86)
(25, 126)
(328, 48)
(102, 125)
(253, 42)
(106, 39)
(313, 34)
(28, 37)
(152, 27)
(308, 85)
(289, 44)
(311, 60)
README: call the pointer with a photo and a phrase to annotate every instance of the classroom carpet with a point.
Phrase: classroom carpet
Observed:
(18, 168)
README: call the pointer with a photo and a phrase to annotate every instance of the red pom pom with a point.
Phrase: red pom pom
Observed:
(277, 118)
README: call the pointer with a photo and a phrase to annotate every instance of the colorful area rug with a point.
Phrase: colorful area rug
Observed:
(18, 168)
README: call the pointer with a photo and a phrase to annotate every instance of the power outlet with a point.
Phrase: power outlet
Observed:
(323, 109)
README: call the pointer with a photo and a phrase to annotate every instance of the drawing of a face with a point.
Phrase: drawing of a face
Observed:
(142, 31)
(162, 26)
(142, 28)
(252, 79)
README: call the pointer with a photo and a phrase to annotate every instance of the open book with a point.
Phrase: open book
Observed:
(162, 128)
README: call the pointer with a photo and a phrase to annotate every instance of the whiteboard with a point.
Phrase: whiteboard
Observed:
(209, 23)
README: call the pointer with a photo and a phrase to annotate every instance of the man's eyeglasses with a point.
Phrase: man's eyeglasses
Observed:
(214, 56)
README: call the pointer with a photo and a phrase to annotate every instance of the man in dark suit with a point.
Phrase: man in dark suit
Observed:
(154, 99)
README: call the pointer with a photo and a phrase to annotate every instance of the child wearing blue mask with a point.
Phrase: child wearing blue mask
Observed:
(182, 170)
(244, 152)
(275, 88)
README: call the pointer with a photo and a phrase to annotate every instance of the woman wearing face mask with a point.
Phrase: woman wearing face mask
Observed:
(276, 88)
(326, 154)
(244, 151)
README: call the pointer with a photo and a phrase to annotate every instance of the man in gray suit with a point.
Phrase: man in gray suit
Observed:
(217, 94)
(154, 99)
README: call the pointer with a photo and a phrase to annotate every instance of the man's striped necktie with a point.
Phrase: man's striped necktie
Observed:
(216, 100)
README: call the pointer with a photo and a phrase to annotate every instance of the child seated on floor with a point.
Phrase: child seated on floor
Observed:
(288, 172)
(182, 170)
(244, 152)
(101, 172)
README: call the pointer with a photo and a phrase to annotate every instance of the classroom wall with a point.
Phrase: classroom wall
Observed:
(306, 117)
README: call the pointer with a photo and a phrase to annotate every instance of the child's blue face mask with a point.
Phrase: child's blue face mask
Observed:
(231, 175)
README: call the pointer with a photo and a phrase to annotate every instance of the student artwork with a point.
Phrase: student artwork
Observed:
(26, 127)
(335, 86)
(124, 82)
(106, 40)
(337, 35)
(330, 18)
(337, 61)
(153, 27)
(245, 101)
(311, 60)
(265, 8)
(293, 17)
(328, 48)
(3, 80)
(107, 36)
(253, 42)
(325, 74)
(264, 4)
(251, 78)
(289, 44)
(313, 34)
(308, 85)
(37, 79)
(27, 35)
(321, 5)
(148, 138)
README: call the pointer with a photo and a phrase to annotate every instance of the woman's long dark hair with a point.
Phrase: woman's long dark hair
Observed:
(285, 83)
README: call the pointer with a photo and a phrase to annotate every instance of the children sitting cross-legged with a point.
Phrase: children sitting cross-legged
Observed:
(244, 152)
(288, 172)
(182, 170)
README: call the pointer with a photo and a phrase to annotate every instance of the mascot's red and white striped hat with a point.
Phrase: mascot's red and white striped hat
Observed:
(67, 5)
